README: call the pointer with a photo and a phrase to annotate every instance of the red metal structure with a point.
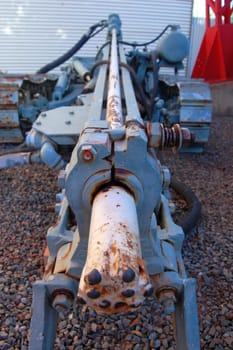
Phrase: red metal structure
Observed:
(214, 62)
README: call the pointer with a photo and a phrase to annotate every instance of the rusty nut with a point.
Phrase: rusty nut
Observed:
(62, 303)
(154, 134)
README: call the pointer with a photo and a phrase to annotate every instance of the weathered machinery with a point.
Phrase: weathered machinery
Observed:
(115, 242)
(167, 99)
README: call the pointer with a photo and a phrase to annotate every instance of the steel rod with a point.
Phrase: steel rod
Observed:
(114, 108)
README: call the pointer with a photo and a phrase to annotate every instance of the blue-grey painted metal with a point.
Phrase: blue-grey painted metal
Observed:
(187, 317)
(103, 158)
(45, 309)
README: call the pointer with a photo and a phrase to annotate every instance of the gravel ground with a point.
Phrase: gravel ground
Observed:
(26, 211)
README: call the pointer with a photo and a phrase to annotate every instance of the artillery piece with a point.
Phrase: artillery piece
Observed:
(115, 242)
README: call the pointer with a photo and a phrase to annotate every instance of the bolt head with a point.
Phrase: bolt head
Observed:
(166, 177)
(87, 153)
(167, 299)
(57, 208)
(62, 178)
(154, 134)
(62, 303)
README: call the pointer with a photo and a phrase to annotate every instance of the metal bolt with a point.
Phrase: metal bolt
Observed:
(81, 301)
(149, 290)
(67, 122)
(61, 178)
(87, 153)
(105, 304)
(188, 137)
(60, 197)
(71, 113)
(128, 275)
(169, 306)
(154, 132)
(62, 303)
(38, 123)
(167, 299)
(172, 207)
(166, 177)
(43, 115)
(159, 103)
(57, 208)
(93, 294)
(128, 293)
(94, 277)
(120, 304)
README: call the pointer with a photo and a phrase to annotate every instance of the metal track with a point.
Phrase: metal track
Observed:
(9, 117)
(189, 103)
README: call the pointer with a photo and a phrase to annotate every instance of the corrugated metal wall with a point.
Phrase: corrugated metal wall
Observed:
(32, 32)
(197, 33)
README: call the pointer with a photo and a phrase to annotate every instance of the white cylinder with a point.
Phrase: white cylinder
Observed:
(114, 278)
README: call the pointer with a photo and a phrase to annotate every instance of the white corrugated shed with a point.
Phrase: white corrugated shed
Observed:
(33, 33)
(197, 33)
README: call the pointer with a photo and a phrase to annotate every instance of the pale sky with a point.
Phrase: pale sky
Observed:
(199, 8)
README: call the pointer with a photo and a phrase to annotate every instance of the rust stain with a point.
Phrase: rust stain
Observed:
(67, 252)
(123, 172)
(101, 228)
(127, 261)
(129, 241)
(113, 248)
(115, 252)
(10, 140)
(8, 87)
(107, 261)
(49, 268)
(8, 125)
(114, 114)
(142, 270)
(107, 290)
(57, 222)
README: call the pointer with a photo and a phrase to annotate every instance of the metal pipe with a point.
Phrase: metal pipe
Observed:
(14, 159)
(130, 98)
(50, 157)
(61, 85)
(81, 69)
(114, 278)
(114, 108)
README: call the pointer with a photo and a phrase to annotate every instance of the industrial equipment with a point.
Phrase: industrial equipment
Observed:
(99, 124)
(165, 98)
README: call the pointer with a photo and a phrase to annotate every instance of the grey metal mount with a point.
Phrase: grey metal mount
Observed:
(49, 298)
(186, 317)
